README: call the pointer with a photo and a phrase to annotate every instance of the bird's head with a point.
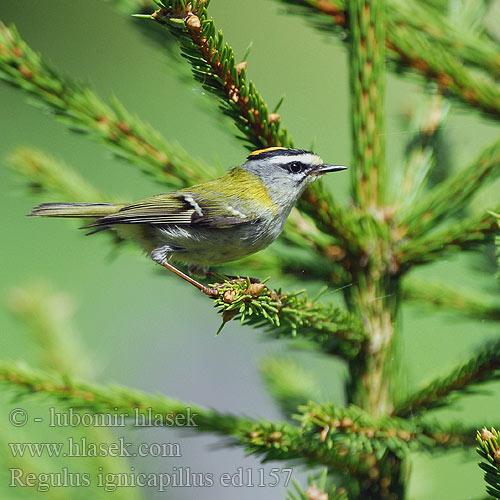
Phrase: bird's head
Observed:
(286, 172)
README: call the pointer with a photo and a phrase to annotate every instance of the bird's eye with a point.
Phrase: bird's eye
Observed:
(295, 167)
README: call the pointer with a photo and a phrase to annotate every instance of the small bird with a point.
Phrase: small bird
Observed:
(214, 222)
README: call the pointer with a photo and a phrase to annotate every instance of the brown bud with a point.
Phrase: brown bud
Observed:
(229, 296)
(496, 456)
(240, 66)
(346, 422)
(273, 117)
(404, 435)
(192, 21)
(255, 289)
(254, 434)
(276, 435)
(314, 493)
(486, 434)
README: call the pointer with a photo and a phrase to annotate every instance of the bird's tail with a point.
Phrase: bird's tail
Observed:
(74, 210)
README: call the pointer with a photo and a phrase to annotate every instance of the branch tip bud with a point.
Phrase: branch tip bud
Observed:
(273, 117)
(486, 435)
(241, 66)
(255, 289)
(192, 21)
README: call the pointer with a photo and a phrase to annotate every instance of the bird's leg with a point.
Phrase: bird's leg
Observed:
(211, 292)
(160, 256)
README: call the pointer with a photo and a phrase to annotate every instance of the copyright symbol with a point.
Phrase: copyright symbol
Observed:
(18, 417)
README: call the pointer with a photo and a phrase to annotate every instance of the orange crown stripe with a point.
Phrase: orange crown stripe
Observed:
(265, 150)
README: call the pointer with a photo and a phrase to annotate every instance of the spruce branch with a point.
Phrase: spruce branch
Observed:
(356, 431)
(452, 195)
(348, 440)
(427, 52)
(460, 299)
(361, 433)
(45, 174)
(467, 234)
(291, 315)
(271, 441)
(488, 448)
(482, 367)
(84, 112)
(367, 64)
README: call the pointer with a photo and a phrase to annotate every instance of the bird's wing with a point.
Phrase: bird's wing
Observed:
(181, 207)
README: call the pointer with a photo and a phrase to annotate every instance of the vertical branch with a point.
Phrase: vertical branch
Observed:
(367, 106)
(375, 283)
(374, 294)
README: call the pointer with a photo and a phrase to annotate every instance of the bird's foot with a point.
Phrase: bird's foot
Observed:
(231, 277)
(212, 291)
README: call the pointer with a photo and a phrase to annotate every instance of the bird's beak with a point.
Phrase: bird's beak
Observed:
(324, 169)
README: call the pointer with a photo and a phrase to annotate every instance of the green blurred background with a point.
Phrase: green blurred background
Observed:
(145, 328)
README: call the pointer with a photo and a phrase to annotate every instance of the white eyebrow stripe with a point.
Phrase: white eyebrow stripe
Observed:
(306, 158)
